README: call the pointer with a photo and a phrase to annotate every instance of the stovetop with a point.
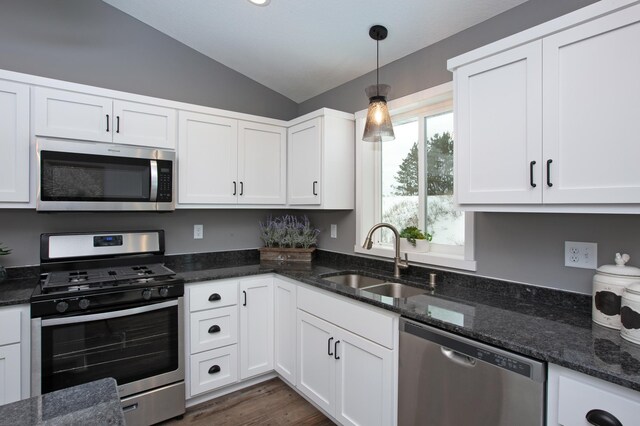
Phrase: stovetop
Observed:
(91, 279)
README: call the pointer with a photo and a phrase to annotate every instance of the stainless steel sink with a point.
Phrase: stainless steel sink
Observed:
(354, 280)
(395, 290)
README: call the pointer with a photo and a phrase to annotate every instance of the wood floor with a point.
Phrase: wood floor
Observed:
(267, 403)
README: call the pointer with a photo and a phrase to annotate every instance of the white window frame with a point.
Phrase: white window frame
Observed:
(368, 189)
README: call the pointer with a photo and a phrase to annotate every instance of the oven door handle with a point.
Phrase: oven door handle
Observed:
(153, 193)
(108, 315)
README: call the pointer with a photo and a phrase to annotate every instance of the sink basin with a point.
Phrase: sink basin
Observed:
(354, 280)
(395, 290)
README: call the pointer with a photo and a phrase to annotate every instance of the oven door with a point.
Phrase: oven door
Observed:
(141, 347)
(91, 176)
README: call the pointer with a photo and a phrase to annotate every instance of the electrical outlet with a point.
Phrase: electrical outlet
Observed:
(580, 255)
(198, 232)
(334, 230)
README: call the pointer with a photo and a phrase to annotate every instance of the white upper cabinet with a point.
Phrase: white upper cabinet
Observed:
(592, 110)
(321, 161)
(262, 163)
(146, 125)
(305, 159)
(225, 161)
(14, 142)
(499, 133)
(207, 159)
(551, 124)
(71, 115)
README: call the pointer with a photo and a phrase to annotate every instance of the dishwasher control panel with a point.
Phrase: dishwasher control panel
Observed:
(504, 362)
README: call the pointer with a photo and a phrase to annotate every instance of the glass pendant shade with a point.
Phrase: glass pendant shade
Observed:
(378, 126)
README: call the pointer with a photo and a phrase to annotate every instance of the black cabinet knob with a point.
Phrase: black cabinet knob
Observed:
(215, 297)
(602, 418)
(214, 329)
(215, 369)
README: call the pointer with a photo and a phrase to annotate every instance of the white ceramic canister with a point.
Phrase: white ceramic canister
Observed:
(608, 285)
(630, 313)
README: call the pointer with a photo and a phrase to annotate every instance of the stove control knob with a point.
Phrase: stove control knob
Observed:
(164, 291)
(84, 303)
(146, 294)
(62, 306)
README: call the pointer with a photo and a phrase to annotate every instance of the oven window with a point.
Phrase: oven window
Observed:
(127, 348)
(84, 177)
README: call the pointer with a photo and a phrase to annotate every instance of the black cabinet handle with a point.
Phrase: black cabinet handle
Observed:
(241, 188)
(245, 298)
(602, 418)
(329, 346)
(214, 329)
(107, 122)
(335, 349)
(117, 124)
(315, 182)
(234, 187)
(215, 369)
(549, 184)
(531, 164)
(214, 297)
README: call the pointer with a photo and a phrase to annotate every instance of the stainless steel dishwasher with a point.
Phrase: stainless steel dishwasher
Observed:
(448, 380)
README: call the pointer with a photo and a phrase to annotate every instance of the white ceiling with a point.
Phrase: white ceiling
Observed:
(301, 48)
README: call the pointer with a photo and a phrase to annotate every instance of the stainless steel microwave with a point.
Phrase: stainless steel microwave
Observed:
(86, 176)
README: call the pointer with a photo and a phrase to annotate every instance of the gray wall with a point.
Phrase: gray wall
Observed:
(90, 42)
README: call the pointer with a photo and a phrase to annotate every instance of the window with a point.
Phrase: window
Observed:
(409, 182)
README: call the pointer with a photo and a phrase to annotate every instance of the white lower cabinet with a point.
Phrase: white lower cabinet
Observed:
(213, 369)
(284, 333)
(15, 353)
(256, 326)
(9, 373)
(573, 397)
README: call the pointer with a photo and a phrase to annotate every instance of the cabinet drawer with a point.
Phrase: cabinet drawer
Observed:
(204, 374)
(214, 328)
(213, 295)
(576, 399)
(378, 327)
(10, 331)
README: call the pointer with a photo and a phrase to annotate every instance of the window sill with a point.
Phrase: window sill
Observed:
(429, 258)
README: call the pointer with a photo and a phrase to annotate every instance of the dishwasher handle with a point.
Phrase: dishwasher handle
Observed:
(458, 358)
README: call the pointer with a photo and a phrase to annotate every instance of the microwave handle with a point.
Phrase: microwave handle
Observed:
(153, 194)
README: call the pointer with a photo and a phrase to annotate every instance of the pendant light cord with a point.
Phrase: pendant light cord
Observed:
(377, 67)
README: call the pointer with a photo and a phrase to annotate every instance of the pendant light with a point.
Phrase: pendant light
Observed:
(378, 126)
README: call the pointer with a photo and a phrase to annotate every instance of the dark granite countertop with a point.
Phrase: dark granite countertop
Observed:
(17, 291)
(545, 324)
(95, 403)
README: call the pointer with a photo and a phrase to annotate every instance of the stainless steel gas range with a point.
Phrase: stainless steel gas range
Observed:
(106, 306)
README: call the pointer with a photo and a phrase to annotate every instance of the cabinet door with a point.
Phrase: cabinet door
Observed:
(213, 328)
(9, 373)
(364, 379)
(305, 159)
(256, 326)
(285, 329)
(144, 125)
(591, 111)
(207, 159)
(14, 142)
(499, 128)
(316, 363)
(213, 369)
(262, 166)
(70, 115)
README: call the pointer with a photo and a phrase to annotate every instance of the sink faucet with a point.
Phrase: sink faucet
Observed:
(397, 262)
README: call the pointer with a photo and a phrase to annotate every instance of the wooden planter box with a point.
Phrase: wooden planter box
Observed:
(287, 254)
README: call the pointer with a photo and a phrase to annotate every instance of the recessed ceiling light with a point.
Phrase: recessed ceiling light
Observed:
(260, 2)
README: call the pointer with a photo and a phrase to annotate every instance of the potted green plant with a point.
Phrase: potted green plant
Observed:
(3, 252)
(412, 239)
(288, 238)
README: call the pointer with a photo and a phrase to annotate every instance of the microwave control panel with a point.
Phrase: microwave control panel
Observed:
(165, 181)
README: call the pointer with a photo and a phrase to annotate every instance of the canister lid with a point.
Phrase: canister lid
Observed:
(634, 288)
(620, 268)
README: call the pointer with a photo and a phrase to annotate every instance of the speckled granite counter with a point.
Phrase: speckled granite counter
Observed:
(541, 323)
(17, 291)
(95, 403)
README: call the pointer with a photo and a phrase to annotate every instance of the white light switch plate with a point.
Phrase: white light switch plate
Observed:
(198, 232)
(334, 230)
(580, 255)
